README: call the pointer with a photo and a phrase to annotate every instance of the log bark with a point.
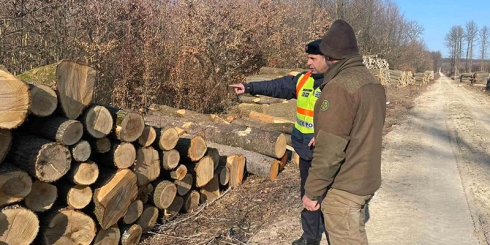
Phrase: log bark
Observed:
(128, 125)
(75, 86)
(148, 136)
(102, 145)
(75, 196)
(214, 154)
(131, 234)
(144, 192)
(134, 212)
(164, 194)
(43, 159)
(59, 227)
(210, 191)
(81, 151)
(15, 184)
(42, 196)
(148, 218)
(147, 166)
(286, 128)
(191, 201)
(113, 198)
(20, 226)
(5, 143)
(223, 174)
(14, 101)
(97, 121)
(170, 159)
(44, 100)
(174, 208)
(167, 138)
(110, 236)
(179, 173)
(191, 148)
(57, 129)
(85, 173)
(203, 171)
(122, 155)
(184, 185)
(267, 118)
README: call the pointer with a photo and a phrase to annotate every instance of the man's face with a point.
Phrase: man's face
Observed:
(316, 64)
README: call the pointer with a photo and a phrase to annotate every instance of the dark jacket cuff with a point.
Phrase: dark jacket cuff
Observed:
(248, 88)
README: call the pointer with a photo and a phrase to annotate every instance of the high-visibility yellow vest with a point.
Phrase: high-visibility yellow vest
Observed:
(307, 96)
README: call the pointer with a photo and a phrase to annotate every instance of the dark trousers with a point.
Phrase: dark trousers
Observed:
(311, 221)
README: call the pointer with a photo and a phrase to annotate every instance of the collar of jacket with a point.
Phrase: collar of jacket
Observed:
(335, 69)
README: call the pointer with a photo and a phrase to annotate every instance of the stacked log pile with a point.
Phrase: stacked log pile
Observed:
(481, 77)
(378, 67)
(67, 164)
(466, 78)
(423, 77)
(401, 78)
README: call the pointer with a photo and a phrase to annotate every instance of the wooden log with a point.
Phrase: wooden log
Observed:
(44, 100)
(214, 154)
(170, 159)
(210, 191)
(179, 173)
(19, 226)
(246, 108)
(267, 118)
(148, 218)
(81, 151)
(84, 173)
(97, 121)
(134, 212)
(261, 100)
(167, 138)
(203, 171)
(144, 192)
(236, 164)
(14, 101)
(102, 145)
(75, 86)
(147, 166)
(122, 155)
(191, 148)
(128, 125)
(184, 185)
(223, 174)
(75, 196)
(191, 201)
(42, 196)
(164, 194)
(110, 236)
(60, 226)
(43, 159)
(57, 129)
(295, 157)
(174, 208)
(5, 143)
(113, 198)
(171, 111)
(15, 184)
(148, 136)
(286, 128)
(131, 234)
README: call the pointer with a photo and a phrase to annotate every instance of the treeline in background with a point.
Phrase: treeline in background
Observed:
(184, 53)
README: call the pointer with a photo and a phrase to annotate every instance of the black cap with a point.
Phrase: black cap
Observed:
(314, 47)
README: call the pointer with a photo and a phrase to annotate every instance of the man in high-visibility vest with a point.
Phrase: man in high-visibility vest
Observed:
(305, 87)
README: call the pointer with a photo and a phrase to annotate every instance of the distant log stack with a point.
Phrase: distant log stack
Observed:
(481, 77)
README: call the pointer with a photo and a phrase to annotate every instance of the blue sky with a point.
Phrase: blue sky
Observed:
(438, 16)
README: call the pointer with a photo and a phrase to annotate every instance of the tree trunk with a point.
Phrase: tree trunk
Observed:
(203, 171)
(15, 184)
(5, 143)
(191, 148)
(128, 125)
(75, 196)
(147, 166)
(286, 128)
(148, 136)
(122, 155)
(97, 121)
(210, 191)
(148, 218)
(174, 208)
(191, 201)
(43, 159)
(60, 225)
(134, 212)
(102, 145)
(57, 129)
(131, 234)
(170, 159)
(19, 225)
(167, 138)
(261, 100)
(164, 194)
(44, 100)
(184, 185)
(42, 196)
(85, 173)
(81, 151)
(113, 198)
(144, 192)
(14, 101)
(75, 85)
(110, 236)
(179, 173)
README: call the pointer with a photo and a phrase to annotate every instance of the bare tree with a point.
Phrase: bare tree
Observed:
(470, 34)
(484, 35)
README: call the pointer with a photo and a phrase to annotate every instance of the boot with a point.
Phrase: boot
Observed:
(302, 241)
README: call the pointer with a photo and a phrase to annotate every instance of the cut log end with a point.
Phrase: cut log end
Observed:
(191, 201)
(42, 196)
(179, 173)
(204, 171)
(147, 166)
(81, 151)
(131, 127)
(280, 146)
(168, 138)
(170, 159)
(102, 145)
(53, 161)
(56, 231)
(124, 155)
(15, 184)
(148, 218)
(79, 196)
(14, 101)
(164, 194)
(72, 132)
(184, 185)
(148, 136)
(134, 212)
(19, 225)
(131, 234)
(85, 173)
(98, 121)
(174, 209)
(110, 236)
(44, 100)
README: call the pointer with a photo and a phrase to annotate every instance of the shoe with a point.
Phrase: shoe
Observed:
(302, 241)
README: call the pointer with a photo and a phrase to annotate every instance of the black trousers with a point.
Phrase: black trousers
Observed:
(311, 221)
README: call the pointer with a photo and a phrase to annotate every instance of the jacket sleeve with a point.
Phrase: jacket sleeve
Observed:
(283, 87)
(333, 120)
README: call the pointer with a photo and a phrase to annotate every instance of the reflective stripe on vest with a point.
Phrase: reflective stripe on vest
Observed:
(307, 97)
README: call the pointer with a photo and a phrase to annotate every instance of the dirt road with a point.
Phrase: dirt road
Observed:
(436, 172)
